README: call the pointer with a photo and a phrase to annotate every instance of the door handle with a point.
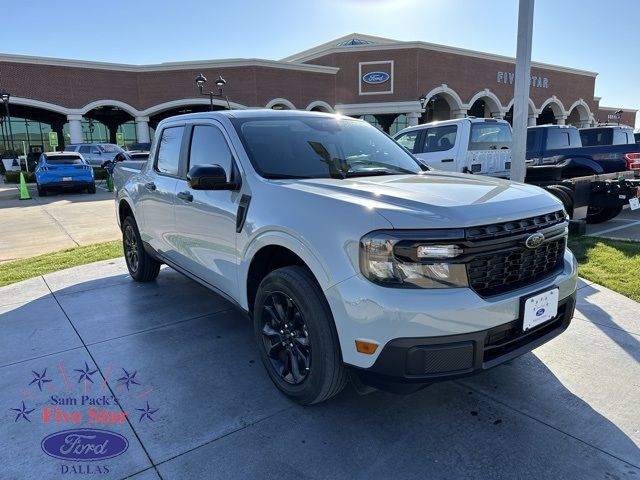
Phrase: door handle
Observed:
(186, 196)
(447, 160)
(150, 186)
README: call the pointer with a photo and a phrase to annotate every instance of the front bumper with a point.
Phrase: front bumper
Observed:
(407, 364)
(386, 316)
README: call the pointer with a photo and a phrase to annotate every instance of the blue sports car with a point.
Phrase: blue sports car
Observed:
(64, 170)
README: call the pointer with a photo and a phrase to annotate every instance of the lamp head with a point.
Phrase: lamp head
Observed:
(201, 80)
(4, 95)
(220, 82)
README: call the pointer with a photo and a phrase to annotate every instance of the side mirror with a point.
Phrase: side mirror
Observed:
(209, 177)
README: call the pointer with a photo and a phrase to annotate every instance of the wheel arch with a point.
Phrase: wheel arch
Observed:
(274, 250)
(124, 209)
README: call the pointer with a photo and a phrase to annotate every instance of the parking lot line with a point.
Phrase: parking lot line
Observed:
(614, 229)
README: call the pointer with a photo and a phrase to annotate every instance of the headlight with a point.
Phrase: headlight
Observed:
(413, 260)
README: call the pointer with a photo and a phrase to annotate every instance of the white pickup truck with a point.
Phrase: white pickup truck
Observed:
(351, 259)
(465, 145)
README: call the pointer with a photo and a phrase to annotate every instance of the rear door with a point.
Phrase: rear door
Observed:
(489, 149)
(158, 189)
(439, 147)
(206, 219)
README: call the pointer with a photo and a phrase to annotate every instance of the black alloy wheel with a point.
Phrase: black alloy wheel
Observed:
(286, 338)
(131, 248)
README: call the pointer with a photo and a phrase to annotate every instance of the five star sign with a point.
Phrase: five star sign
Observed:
(85, 374)
(23, 412)
(147, 412)
(128, 379)
(39, 378)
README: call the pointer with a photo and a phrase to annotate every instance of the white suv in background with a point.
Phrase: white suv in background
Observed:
(465, 145)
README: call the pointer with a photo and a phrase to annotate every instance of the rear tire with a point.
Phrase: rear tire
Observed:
(91, 188)
(296, 336)
(142, 267)
(600, 215)
(42, 192)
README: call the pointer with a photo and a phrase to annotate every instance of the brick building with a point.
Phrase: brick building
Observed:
(389, 83)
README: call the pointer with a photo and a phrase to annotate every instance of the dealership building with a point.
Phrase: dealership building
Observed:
(392, 84)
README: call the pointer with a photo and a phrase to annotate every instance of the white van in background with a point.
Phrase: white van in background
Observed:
(466, 145)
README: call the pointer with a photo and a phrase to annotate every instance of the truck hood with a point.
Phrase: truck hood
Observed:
(435, 199)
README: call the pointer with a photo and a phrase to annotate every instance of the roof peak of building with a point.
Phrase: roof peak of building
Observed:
(359, 42)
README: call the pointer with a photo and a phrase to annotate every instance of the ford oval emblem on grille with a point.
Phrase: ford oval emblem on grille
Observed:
(534, 241)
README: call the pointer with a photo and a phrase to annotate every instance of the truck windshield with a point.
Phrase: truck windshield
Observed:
(321, 147)
(490, 136)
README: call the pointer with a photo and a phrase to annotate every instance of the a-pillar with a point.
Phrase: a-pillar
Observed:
(142, 129)
(459, 113)
(531, 120)
(75, 128)
(413, 118)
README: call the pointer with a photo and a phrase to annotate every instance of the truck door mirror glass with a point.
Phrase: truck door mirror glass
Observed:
(209, 177)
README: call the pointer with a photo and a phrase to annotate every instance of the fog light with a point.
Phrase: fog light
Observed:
(368, 348)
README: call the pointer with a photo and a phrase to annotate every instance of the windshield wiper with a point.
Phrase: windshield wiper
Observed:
(378, 172)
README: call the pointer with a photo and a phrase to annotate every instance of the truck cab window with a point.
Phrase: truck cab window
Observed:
(209, 147)
(439, 139)
(169, 151)
(408, 140)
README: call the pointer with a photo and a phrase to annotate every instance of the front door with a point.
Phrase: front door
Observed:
(206, 219)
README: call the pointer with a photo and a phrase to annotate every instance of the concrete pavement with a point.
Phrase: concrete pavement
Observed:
(52, 223)
(568, 410)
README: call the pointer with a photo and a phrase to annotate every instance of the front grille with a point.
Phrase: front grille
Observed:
(500, 272)
(506, 229)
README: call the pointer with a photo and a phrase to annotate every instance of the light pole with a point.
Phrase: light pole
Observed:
(220, 82)
(91, 128)
(5, 97)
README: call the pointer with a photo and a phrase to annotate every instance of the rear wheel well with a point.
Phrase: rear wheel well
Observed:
(265, 261)
(124, 210)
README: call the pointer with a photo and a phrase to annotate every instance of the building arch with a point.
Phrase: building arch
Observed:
(487, 102)
(579, 114)
(109, 103)
(448, 94)
(280, 102)
(320, 106)
(186, 102)
(551, 111)
(29, 102)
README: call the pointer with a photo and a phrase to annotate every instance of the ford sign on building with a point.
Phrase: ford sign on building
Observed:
(376, 77)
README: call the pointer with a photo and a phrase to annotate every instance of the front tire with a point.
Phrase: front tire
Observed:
(142, 267)
(296, 336)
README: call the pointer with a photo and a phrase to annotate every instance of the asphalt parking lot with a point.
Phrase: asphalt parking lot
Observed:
(182, 363)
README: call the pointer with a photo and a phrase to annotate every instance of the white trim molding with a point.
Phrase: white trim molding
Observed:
(450, 95)
(495, 106)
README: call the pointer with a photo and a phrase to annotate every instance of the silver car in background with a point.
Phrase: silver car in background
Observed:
(95, 153)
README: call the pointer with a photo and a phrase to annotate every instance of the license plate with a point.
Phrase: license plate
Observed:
(540, 308)
(634, 204)
(67, 179)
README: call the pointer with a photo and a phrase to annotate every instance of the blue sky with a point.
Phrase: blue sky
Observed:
(587, 34)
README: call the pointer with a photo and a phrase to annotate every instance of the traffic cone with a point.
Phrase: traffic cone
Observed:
(24, 191)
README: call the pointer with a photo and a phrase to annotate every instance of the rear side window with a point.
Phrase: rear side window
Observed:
(440, 139)
(209, 147)
(84, 149)
(408, 140)
(596, 136)
(558, 138)
(490, 136)
(620, 137)
(169, 150)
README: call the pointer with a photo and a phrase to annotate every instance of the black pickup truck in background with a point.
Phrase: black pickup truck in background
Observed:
(556, 160)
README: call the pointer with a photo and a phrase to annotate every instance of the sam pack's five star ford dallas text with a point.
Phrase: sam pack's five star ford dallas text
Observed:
(352, 259)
